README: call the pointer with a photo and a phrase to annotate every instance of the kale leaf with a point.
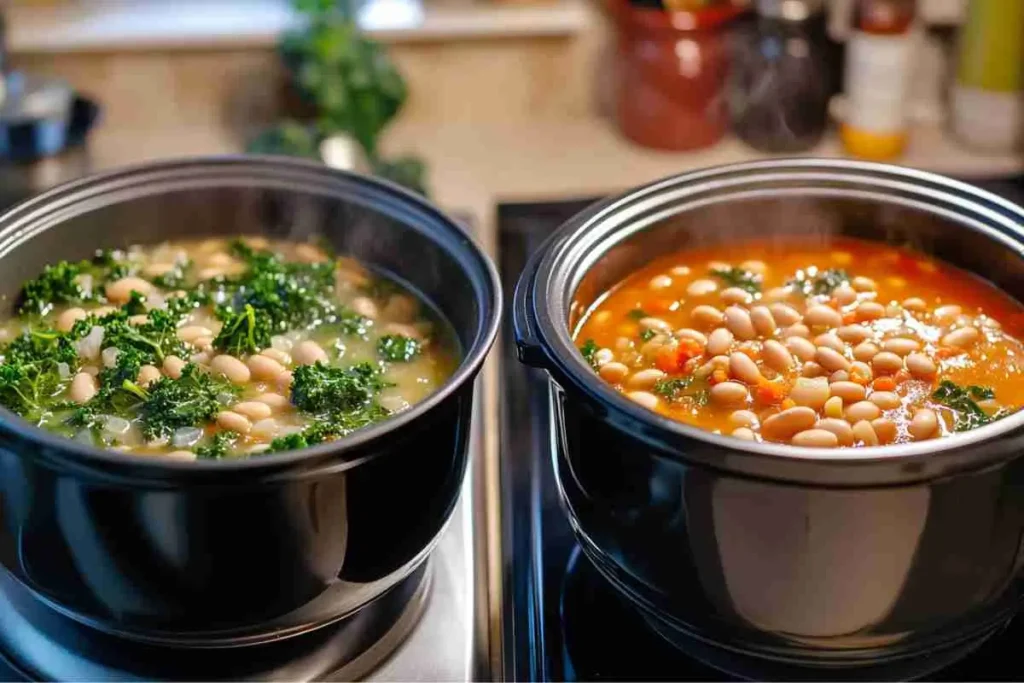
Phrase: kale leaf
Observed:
(189, 401)
(218, 447)
(821, 282)
(37, 366)
(739, 277)
(588, 350)
(321, 389)
(243, 332)
(397, 348)
(969, 414)
(57, 284)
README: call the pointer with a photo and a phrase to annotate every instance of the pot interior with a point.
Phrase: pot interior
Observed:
(404, 240)
(807, 216)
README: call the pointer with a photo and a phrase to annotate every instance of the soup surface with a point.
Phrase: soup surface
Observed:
(217, 349)
(850, 344)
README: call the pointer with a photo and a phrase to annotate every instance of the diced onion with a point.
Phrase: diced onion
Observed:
(225, 398)
(116, 425)
(84, 436)
(88, 347)
(64, 370)
(109, 356)
(281, 343)
(186, 436)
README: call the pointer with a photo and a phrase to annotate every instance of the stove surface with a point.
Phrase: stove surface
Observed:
(563, 621)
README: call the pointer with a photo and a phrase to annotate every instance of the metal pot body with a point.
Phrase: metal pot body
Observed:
(236, 552)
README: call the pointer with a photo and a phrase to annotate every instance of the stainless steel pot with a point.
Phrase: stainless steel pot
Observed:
(899, 555)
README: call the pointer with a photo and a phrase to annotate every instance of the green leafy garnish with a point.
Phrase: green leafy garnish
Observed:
(189, 401)
(588, 350)
(58, 284)
(819, 282)
(739, 277)
(969, 414)
(648, 334)
(31, 375)
(320, 388)
(397, 348)
(637, 314)
(176, 277)
(243, 332)
(682, 388)
(218, 447)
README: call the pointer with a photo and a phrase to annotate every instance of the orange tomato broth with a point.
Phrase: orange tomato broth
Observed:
(898, 274)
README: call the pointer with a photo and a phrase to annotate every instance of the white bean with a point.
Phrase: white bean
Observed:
(885, 429)
(719, 341)
(887, 362)
(776, 356)
(688, 333)
(738, 321)
(961, 338)
(863, 284)
(783, 425)
(602, 356)
(276, 402)
(845, 294)
(811, 369)
(660, 282)
(148, 374)
(364, 307)
(266, 429)
(282, 357)
(656, 324)
(862, 410)
(853, 334)
(886, 400)
(69, 317)
(822, 316)
(784, 314)
(764, 321)
(797, 330)
(924, 424)
(850, 392)
(180, 455)
(645, 379)
(701, 287)
(233, 421)
(120, 291)
(613, 372)
(254, 410)
(865, 351)
(830, 359)
(192, 332)
(839, 376)
(706, 316)
(914, 304)
(801, 348)
(755, 267)
(815, 438)
(173, 366)
(830, 340)
(810, 392)
(865, 433)
(307, 352)
(743, 368)
(946, 314)
(83, 387)
(870, 310)
(735, 295)
(743, 418)
(232, 368)
(900, 346)
(744, 433)
(861, 369)
(729, 393)
(841, 428)
(921, 366)
(647, 400)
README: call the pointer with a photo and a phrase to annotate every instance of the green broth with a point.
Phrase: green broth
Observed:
(220, 348)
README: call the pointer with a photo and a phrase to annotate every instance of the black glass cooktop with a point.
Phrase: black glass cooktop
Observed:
(562, 620)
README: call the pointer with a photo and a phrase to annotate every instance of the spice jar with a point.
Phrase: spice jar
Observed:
(879, 66)
(781, 79)
(671, 74)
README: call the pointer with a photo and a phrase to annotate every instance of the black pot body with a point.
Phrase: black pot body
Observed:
(227, 553)
(830, 559)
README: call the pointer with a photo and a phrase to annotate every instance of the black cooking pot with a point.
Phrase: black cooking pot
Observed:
(241, 551)
(765, 553)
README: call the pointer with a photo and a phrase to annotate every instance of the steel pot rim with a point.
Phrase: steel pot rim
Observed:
(540, 311)
(26, 219)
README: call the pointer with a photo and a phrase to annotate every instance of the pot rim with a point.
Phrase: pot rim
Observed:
(572, 250)
(106, 188)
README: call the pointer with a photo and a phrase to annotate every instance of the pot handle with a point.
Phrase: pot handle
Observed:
(524, 322)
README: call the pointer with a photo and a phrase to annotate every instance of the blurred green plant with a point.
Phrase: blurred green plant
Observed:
(350, 83)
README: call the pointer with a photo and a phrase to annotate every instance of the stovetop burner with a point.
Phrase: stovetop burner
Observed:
(563, 620)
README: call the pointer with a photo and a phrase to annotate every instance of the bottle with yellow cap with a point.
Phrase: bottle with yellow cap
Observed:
(879, 65)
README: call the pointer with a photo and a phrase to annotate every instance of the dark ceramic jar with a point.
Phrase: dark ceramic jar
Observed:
(211, 553)
(886, 561)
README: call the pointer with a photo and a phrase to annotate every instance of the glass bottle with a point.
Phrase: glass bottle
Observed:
(879, 65)
(781, 82)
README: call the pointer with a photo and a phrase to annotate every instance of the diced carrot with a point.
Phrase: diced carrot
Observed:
(884, 384)
(902, 376)
(770, 393)
(788, 403)
(718, 375)
(850, 317)
(859, 377)
(674, 358)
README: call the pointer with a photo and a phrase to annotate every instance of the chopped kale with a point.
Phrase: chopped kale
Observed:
(189, 401)
(739, 277)
(58, 284)
(329, 427)
(648, 334)
(963, 401)
(136, 304)
(243, 332)
(218, 447)
(176, 277)
(37, 366)
(397, 348)
(820, 282)
(588, 350)
(322, 389)
(682, 388)
(637, 314)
